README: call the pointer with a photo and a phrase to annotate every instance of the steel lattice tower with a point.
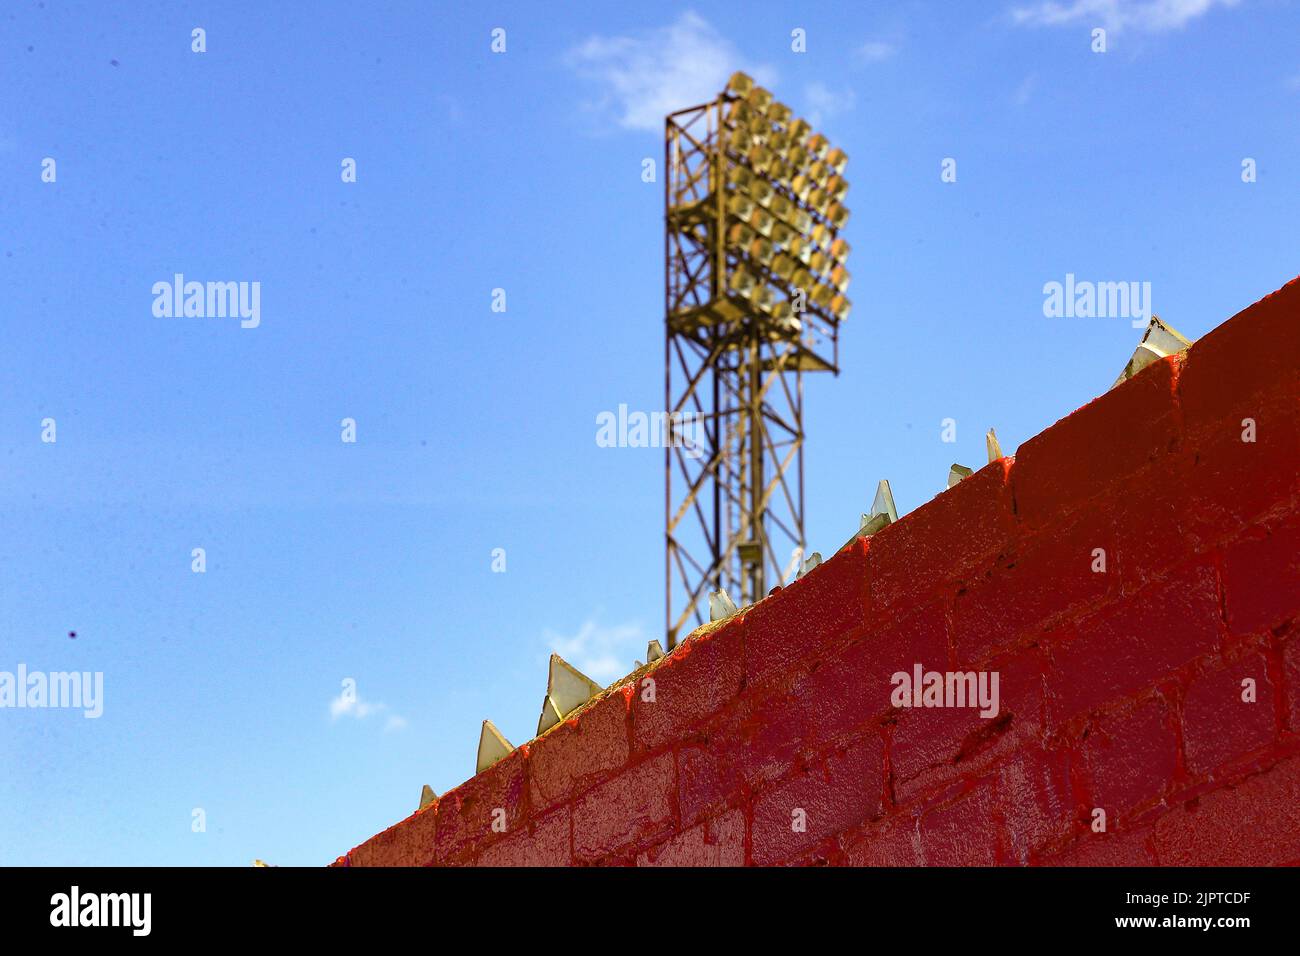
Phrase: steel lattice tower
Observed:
(754, 297)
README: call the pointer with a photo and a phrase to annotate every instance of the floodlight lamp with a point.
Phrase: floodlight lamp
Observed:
(840, 307)
(784, 266)
(742, 280)
(818, 145)
(822, 294)
(761, 249)
(837, 160)
(839, 276)
(838, 215)
(740, 206)
(779, 113)
(740, 84)
(840, 249)
(762, 220)
(759, 98)
(800, 129)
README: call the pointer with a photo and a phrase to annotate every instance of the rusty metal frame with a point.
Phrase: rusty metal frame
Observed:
(731, 513)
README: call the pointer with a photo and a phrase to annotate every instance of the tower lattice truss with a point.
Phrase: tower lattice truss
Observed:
(755, 286)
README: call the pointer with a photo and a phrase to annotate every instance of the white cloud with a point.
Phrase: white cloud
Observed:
(602, 653)
(643, 78)
(351, 705)
(1150, 16)
(873, 51)
(1025, 90)
(822, 103)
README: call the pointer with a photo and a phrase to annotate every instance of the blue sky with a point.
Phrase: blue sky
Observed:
(372, 560)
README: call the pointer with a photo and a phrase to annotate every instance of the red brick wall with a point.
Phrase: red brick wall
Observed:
(1120, 690)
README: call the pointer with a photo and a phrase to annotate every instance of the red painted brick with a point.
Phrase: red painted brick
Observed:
(1133, 644)
(1081, 456)
(963, 833)
(632, 808)
(692, 684)
(1257, 349)
(1233, 482)
(1152, 520)
(543, 843)
(854, 686)
(1125, 848)
(1261, 578)
(1047, 578)
(466, 815)
(932, 746)
(1034, 801)
(1256, 823)
(409, 843)
(719, 842)
(943, 540)
(1291, 676)
(808, 619)
(1218, 725)
(1130, 759)
(835, 795)
(580, 752)
(752, 743)
(891, 843)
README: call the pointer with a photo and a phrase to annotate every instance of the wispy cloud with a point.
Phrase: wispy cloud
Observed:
(1025, 90)
(873, 51)
(349, 704)
(822, 103)
(639, 79)
(601, 652)
(1149, 16)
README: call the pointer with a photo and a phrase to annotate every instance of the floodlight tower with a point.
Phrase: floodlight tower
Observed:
(754, 297)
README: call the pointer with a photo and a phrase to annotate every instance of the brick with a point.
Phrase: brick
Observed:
(895, 842)
(1218, 725)
(834, 795)
(963, 833)
(751, 743)
(1151, 523)
(1082, 455)
(809, 618)
(1034, 801)
(1233, 482)
(1255, 823)
(932, 746)
(1133, 644)
(1257, 349)
(632, 808)
(943, 540)
(1130, 758)
(1291, 677)
(692, 684)
(580, 752)
(466, 814)
(1047, 577)
(854, 686)
(543, 843)
(718, 842)
(1261, 577)
(1124, 848)
(408, 843)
